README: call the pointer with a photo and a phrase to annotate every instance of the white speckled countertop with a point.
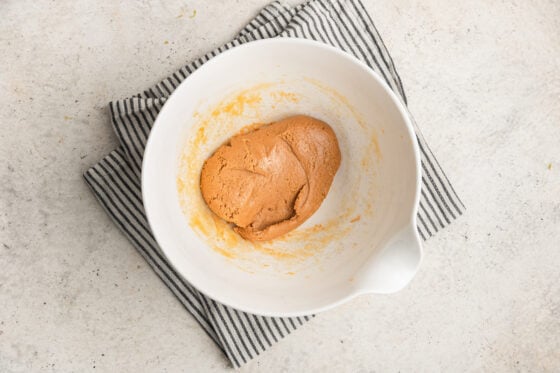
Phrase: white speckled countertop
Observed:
(483, 80)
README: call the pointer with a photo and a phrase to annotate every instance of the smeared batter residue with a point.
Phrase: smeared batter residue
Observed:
(355, 219)
(229, 117)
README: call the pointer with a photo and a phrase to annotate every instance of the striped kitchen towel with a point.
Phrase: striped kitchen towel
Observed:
(115, 180)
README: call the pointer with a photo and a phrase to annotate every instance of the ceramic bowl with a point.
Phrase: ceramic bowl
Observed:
(363, 238)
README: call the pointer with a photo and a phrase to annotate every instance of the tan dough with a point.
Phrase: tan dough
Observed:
(269, 181)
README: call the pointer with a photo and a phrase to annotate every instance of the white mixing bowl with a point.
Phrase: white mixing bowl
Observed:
(363, 238)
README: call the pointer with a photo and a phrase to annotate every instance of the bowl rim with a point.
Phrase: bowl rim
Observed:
(403, 111)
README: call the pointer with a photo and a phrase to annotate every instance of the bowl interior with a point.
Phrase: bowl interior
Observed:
(372, 197)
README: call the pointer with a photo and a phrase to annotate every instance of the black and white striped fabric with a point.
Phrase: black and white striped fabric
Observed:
(115, 180)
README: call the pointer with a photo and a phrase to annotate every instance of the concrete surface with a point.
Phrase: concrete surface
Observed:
(483, 79)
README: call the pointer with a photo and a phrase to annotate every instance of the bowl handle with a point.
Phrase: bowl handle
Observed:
(396, 265)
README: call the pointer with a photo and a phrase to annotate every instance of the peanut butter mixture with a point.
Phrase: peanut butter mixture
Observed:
(269, 181)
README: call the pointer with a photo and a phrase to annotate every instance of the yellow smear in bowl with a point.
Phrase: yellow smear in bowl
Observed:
(242, 112)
